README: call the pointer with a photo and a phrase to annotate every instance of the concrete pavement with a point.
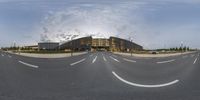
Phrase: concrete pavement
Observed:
(59, 55)
(99, 76)
(153, 55)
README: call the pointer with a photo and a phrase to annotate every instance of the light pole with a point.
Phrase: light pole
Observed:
(131, 46)
(19, 49)
(181, 47)
(72, 46)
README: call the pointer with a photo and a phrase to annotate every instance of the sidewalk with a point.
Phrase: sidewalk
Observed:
(60, 55)
(152, 55)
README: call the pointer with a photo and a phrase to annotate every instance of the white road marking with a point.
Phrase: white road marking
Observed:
(195, 61)
(144, 86)
(129, 60)
(114, 59)
(94, 59)
(72, 64)
(104, 58)
(161, 62)
(2, 55)
(9, 56)
(30, 65)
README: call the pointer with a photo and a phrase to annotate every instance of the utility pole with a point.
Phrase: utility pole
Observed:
(181, 47)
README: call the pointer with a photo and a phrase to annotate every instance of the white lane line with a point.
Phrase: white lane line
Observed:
(195, 61)
(9, 56)
(2, 55)
(104, 58)
(129, 60)
(93, 61)
(144, 86)
(114, 59)
(161, 62)
(72, 64)
(30, 65)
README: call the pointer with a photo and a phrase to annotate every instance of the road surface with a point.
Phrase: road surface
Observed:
(100, 76)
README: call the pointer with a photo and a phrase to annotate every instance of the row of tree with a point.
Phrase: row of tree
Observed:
(17, 48)
(180, 49)
(176, 49)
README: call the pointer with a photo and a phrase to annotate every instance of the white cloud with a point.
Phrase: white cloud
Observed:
(97, 20)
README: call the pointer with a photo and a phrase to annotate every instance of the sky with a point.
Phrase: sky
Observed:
(150, 23)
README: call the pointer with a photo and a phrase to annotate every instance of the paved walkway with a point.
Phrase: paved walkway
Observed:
(60, 55)
(152, 55)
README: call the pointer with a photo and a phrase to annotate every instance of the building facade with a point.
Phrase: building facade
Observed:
(32, 47)
(80, 44)
(122, 45)
(112, 44)
(48, 46)
(100, 44)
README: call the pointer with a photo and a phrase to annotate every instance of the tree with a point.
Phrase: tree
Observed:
(176, 49)
(188, 48)
(184, 49)
(180, 49)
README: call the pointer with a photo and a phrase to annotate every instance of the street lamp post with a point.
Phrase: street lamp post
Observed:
(72, 44)
(19, 50)
(71, 49)
(181, 47)
(131, 46)
(131, 49)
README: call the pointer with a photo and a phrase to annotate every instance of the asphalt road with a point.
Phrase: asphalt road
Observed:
(100, 76)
